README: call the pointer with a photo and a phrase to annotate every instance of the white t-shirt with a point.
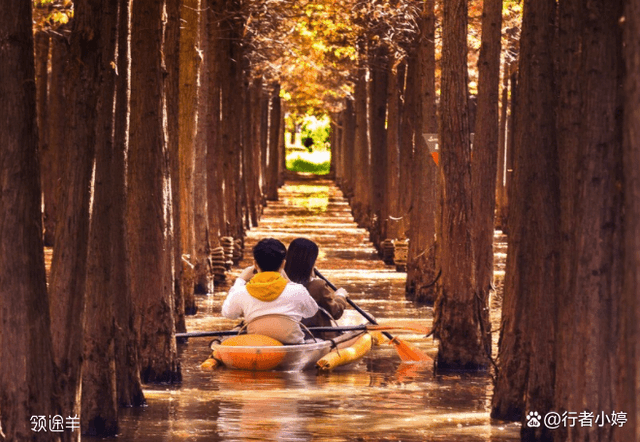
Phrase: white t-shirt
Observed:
(294, 301)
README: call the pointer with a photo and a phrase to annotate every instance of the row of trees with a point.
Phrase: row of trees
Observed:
(569, 333)
(443, 203)
(153, 139)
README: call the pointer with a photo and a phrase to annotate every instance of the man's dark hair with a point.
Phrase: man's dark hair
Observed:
(269, 254)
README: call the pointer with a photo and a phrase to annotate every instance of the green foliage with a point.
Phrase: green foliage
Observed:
(317, 129)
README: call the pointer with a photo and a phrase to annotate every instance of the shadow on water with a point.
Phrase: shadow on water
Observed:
(379, 399)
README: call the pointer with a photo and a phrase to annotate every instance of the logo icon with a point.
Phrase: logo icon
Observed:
(533, 419)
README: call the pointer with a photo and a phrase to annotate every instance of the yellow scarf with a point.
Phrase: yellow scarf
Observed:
(266, 286)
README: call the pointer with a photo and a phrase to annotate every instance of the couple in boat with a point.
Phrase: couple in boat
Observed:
(279, 292)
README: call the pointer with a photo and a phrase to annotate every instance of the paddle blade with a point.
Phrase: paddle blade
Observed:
(409, 353)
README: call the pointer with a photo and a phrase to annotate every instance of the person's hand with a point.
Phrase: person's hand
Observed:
(247, 273)
(341, 292)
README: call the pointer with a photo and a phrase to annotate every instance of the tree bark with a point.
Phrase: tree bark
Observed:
(422, 265)
(484, 160)
(69, 264)
(46, 161)
(129, 385)
(391, 210)
(28, 381)
(99, 400)
(376, 185)
(591, 171)
(171, 49)
(501, 177)
(203, 275)
(629, 349)
(149, 201)
(57, 128)
(188, 108)
(458, 323)
(274, 138)
(527, 360)
(362, 169)
(348, 148)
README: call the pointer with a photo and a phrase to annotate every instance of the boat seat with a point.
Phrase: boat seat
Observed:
(280, 327)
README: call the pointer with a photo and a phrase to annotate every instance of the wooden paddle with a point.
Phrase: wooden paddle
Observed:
(406, 352)
(363, 327)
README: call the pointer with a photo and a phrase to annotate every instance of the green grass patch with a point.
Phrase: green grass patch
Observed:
(300, 165)
(316, 162)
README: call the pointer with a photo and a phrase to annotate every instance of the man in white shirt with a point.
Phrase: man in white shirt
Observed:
(270, 303)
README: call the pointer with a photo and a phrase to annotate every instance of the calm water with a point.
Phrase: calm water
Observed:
(379, 399)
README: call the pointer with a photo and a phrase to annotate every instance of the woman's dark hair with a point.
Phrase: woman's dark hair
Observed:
(301, 258)
(269, 254)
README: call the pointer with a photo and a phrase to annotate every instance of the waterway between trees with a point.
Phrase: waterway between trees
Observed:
(379, 399)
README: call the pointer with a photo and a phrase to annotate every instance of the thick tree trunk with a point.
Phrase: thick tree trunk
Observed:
(56, 129)
(215, 195)
(149, 201)
(274, 139)
(129, 386)
(69, 265)
(188, 108)
(458, 323)
(628, 387)
(508, 401)
(422, 266)
(171, 49)
(203, 276)
(99, 400)
(376, 186)
(485, 156)
(28, 381)
(591, 172)
(46, 161)
(527, 360)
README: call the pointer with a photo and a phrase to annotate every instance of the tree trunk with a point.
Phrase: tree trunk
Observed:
(378, 87)
(361, 191)
(203, 276)
(129, 386)
(56, 129)
(188, 107)
(458, 323)
(99, 400)
(391, 213)
(348, 148)
(215, 195)
(171, 49)
(410, 128)
(501, 177)
(375, 187)
(526, 377)
(485, 156)
(628, 387)
(148, 201)
(46, 161)
(274, 139)
(69, 264)
(422, 266)
(264, 142)
(589, 295)
(28, 381)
